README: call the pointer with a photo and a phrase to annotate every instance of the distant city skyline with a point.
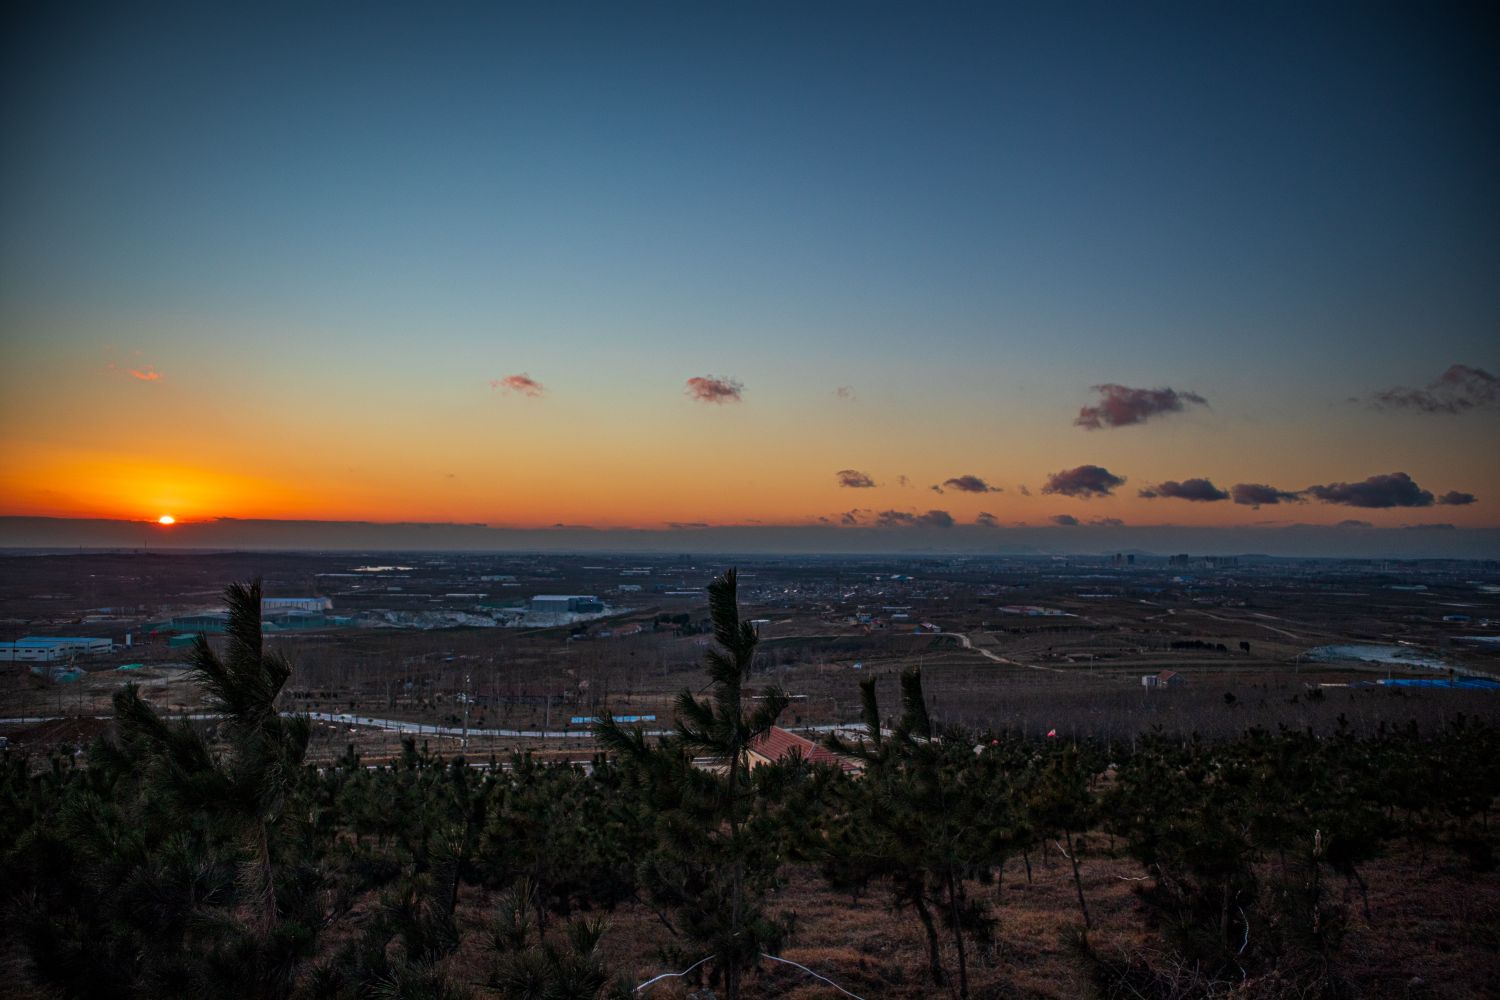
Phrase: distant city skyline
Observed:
(916, 272)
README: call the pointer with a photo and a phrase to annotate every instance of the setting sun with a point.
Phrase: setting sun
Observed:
(166, 519)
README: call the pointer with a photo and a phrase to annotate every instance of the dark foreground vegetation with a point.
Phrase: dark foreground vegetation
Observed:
(212, 861)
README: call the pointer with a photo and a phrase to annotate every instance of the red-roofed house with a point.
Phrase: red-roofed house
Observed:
(778, 744)
(1167, 678)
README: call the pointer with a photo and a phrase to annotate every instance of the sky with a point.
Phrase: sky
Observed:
(824, 266)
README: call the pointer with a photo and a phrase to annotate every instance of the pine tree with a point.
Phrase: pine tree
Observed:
(717, 858)
(928, 816)
(1061, 805)
(242, 781)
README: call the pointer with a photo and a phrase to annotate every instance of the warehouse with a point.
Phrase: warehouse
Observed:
(51, 649)
(565, 604)
(275, 605)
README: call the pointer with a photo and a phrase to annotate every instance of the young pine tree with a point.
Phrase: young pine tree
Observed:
(717, 856)
(241, 782)
(928, 817)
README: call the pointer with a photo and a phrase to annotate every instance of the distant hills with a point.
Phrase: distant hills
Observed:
(1430, 541)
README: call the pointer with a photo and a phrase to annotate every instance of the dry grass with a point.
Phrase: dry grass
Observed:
(1434, 934)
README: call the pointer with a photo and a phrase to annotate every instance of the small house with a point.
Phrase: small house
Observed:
(778, 744)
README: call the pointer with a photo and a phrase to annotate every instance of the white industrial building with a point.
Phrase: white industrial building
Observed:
(566, 604)
(269, 605)
(51, 649)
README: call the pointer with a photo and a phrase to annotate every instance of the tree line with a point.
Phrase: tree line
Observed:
(181, 860)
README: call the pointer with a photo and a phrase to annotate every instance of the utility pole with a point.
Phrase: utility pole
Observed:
(465, 743)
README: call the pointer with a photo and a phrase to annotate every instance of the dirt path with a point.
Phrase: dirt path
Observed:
(1243, 621)
(964, 641)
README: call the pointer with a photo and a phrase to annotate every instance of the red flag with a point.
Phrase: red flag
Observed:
(1052, 732)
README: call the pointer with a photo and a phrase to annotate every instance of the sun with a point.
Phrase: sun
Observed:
(166, 519)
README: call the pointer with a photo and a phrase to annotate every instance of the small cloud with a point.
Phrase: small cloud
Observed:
(1456, 498)
(1440, 526)
(522, 383)
(711, 389)
(846, 392)
(1458, 390)
(1025, 490)
(849, 517)
(905, 519)
(1395, 489)
(1199, 490)
(902, 481)
(1352, 523)
(970, 484)
(1066, 520)
(687, 525)
(935, 488)
(987, 520)
(1255, 494)
(144, 373)
(1107, 522)
(1121, 406)
(1084, 481)
(854, 479)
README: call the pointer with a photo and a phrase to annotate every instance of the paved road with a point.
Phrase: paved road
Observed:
(422, 729)
(369, 722)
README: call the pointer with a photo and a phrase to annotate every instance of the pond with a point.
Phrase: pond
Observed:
(1396, 656)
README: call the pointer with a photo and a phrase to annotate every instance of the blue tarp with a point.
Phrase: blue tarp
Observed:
(1462, 683)
(63, 675)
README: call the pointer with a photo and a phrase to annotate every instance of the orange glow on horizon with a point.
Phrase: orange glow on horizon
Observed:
(599, 486)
